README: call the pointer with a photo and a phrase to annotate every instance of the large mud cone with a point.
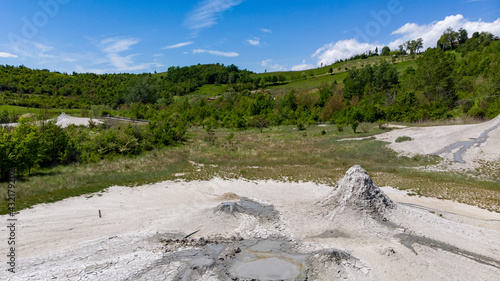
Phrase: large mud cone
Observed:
(357, 191)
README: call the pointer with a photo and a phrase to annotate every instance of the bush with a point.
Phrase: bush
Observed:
(340, 127)
(382, 124)
(354, 125)
(365, 127)
(323, 132)
(301, 127)
(403, 139)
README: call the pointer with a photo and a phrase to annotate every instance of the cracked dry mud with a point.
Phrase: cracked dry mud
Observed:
(267, 230)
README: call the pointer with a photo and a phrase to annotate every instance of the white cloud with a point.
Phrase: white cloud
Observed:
(254, 42)
(302, 66)
(430, 33)
(116, 45)
(112, 47)
(178, 45)
(81, 69)
(266, 30)
(343, 49)
(7, 55)
(274, 67)
(208, 12)
(29, 49)
(216, 53)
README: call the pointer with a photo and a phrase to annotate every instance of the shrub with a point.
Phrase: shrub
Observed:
(365, 127)
(382, 124)
(354, 125)
(403, 139)
(301, 127)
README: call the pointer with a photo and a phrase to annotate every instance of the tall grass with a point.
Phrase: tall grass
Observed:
(57, 183)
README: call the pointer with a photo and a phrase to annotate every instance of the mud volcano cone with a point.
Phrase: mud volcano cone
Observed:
(357, 191)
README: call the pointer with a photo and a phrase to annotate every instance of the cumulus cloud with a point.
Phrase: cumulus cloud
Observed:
(274, 66)
(178, 45)
(208, 12)
(216, 53)
(255, 41)
(430, 33)
(343, 49)
(7, 55)
(302, 66)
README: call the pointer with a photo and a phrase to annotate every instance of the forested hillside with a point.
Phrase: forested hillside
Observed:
(37, 88)
(459, 77)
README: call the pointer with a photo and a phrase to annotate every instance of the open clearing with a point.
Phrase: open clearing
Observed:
(225, 228)
(463, 147)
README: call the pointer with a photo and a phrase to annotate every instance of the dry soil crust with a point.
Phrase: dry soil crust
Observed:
(142, 235)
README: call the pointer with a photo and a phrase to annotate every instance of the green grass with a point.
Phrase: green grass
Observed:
(278, 153)
(401, 64)
(57, 183)
(321, 75)
(210, 90)
(403, 139)
(37, 111)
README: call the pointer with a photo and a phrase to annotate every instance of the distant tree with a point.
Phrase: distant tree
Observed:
(354, 125)
(385, 51)
(233, 77)
(449, 40)
(401, 49)
(281, 78)
(413, 46)
(434, 75)
(290, 100)
(4, 117)
(419, 44)
(144, 91)
(260, 122)
(462, 36)
(376, 50)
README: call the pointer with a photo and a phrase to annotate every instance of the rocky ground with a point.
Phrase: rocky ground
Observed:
(263, 230)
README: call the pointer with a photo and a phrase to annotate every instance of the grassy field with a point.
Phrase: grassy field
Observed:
(210, 90)
(38, 111)
(401, 63)
(322, 75)
(279, 153)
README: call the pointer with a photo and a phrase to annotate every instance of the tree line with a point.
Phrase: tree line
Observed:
(458, 80)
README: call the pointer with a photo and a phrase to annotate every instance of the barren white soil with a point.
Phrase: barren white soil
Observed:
(280, 231)
(65, 120)
(464, 146)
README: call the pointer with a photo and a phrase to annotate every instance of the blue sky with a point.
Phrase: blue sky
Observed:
(146, 36)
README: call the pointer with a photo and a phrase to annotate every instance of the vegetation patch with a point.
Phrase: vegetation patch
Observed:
(403, 139)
